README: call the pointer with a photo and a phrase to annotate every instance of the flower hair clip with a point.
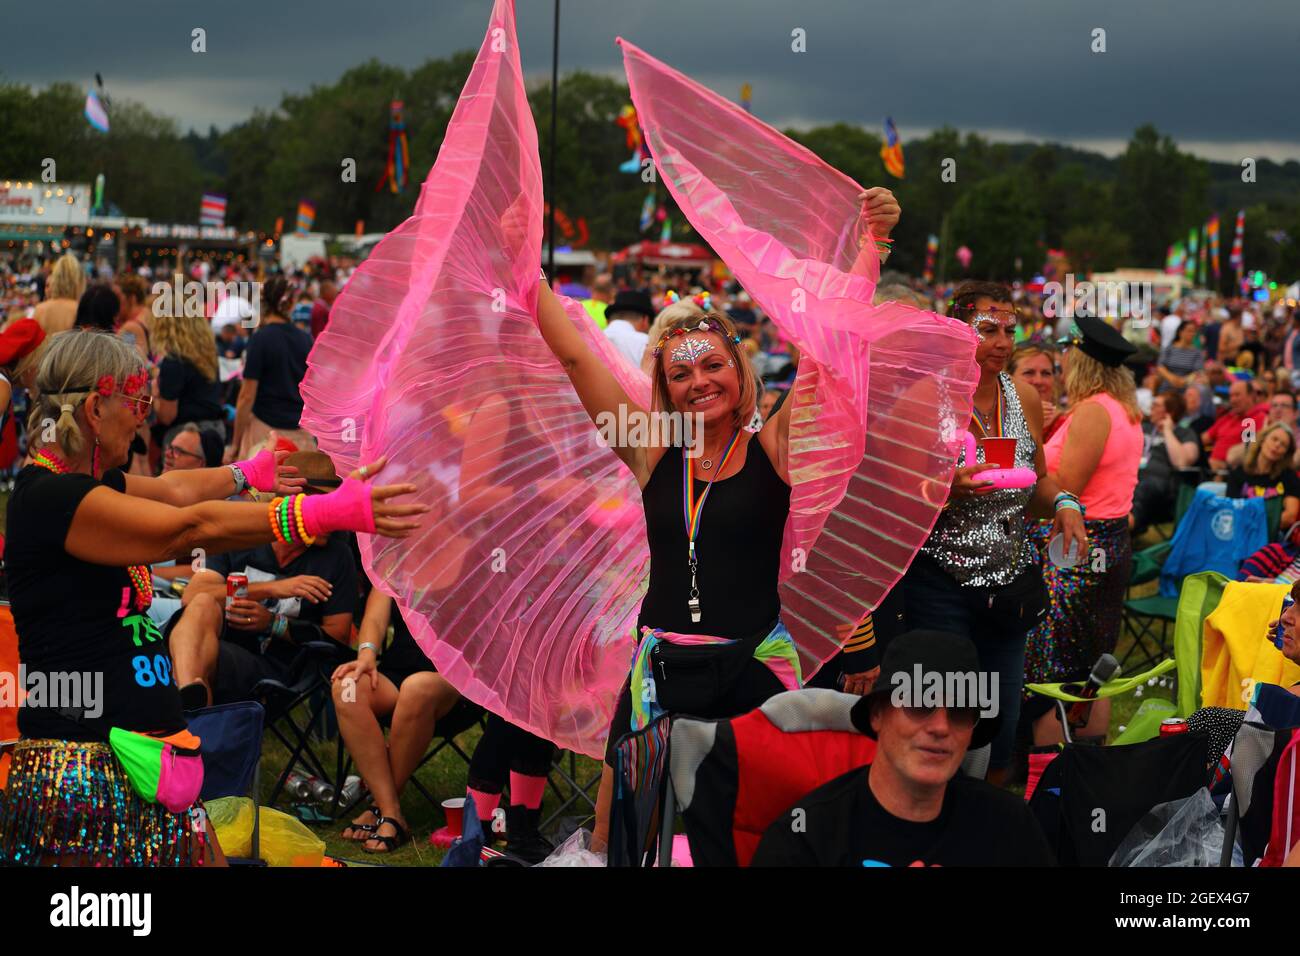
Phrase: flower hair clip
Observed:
(135, 383)
(105, 385)
(704, 300)
(671, 297)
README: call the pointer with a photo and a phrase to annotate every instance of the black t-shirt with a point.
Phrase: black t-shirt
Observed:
(403, 655)
(1155, 454)
(844, 825)
(1242, 485)
(277, 361)
(71, 620)
(331, 561)
(198, 400)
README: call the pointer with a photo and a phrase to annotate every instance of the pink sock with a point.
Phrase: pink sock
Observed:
(484, 803)
(527, 790)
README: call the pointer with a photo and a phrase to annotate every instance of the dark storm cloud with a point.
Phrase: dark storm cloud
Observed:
(1223, 80)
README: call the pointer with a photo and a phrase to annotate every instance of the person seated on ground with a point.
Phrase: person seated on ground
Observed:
(1230, 428)
(910, 806)
(296, 594)
(397, 682)
(1267, 472)
(1169, 449)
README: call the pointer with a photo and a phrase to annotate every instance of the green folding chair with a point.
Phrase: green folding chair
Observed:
(1199, 596)
(1112, 688)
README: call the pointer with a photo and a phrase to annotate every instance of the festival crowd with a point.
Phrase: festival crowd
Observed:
(197, 418)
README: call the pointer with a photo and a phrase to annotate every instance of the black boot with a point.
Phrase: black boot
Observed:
(522, 837)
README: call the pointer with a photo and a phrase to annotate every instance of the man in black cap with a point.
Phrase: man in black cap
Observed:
(911, 807)
(629, 318)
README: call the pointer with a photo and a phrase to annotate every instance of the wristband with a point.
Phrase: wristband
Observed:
(257, 472)
(365, 644)
(280, 626)
(241, 482)
(1069, 504)
(348, 508)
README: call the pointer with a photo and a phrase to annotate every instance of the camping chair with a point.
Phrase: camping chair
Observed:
(1188, 479)
(640, 768)
(308, 686)
(1089, 798)
(1148, 619)
(232, 751)
(1262, 803)
(733, 778)
(565, 766)
(1200, 595)
(8, 665)
(1065, 694)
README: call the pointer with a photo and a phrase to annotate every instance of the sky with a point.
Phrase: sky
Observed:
(1222, 80)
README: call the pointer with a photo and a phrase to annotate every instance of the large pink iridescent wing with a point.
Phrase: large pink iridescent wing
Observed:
(880, 390)
(523, 584)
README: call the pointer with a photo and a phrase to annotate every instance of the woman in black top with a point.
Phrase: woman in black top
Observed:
(1266, 472)
(80, 537)
(714, 604)
(187, 387)
(274, 365)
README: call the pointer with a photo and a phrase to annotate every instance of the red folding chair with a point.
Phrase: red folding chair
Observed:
(731, 779)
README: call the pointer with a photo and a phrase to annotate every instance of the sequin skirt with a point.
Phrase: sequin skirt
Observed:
(1085, 603)
(66, 798)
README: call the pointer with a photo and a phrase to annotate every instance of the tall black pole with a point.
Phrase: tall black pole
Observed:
(550, 163)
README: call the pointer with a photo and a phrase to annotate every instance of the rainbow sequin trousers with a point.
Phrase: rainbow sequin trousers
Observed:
(66, 798)
(1085, 603)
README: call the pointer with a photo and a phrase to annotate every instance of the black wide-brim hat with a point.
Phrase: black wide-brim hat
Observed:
(934, 652)
(1098, 339)
(631, 301)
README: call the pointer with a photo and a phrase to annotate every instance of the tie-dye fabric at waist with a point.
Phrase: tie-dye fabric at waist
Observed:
(776, 652)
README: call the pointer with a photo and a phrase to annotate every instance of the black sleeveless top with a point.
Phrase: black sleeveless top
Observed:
(738, 548)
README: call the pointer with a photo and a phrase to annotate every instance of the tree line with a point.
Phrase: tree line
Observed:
(1009, 203)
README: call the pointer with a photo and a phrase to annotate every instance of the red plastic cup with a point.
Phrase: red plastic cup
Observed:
(1000, 452)
(455, 811)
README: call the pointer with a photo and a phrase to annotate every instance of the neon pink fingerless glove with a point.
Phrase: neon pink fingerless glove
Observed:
(259, 470)
(348, 508)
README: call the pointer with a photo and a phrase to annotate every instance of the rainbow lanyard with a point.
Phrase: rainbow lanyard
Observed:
(997, 409)
(693, 510)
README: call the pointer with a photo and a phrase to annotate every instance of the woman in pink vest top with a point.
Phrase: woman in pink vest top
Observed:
(1094, 456)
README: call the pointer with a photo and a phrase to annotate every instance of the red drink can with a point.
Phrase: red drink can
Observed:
(1172, 725)
(236, 587)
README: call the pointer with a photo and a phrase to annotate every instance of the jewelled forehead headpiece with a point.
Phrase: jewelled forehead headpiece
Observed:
(705, 325)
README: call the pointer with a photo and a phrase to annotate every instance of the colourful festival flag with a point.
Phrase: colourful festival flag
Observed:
(212, 210)
(931, 251)
(892, 151)
(1236, 258)
(666, 234)
(306, 216)
(648, 211)
(1212, 236)
(1189, 264)
(747, 97)
(1201, 258)
(1174, 258)
(397, 166)
(95, 112)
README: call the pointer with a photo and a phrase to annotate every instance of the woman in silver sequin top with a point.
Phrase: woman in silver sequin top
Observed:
(977, 574)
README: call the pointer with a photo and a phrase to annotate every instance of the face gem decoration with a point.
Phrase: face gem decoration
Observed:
(690, 350)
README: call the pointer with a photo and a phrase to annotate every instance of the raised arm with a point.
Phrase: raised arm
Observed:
(265, 471)
(595, 384)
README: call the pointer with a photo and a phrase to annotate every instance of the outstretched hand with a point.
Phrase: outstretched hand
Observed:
(387, 516)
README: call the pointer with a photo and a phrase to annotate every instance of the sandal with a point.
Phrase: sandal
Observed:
(362, 831)
(390, 843)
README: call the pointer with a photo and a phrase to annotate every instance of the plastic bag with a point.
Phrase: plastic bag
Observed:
(1183, 832)
(285, 841)
(232, 819)
(575, 851)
